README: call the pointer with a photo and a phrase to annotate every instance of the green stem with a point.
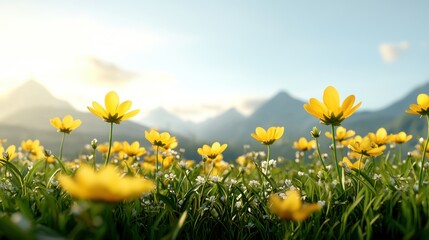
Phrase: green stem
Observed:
(320, 155)
(62, 145)
(93, 159)
(156, 169)
(268, 158)
(110, 144)
(359, 173)
(400, 154)
(335, 157)
(423, 155)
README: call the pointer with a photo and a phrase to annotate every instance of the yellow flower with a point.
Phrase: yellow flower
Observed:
(401, 137)
(166, 162)
(66, 125)
(115, 112)
(133, 150)
(291, 208)
(330, 112)
(147, 167)
(163, 140)
(34, 149)
(356, 165)
(49, 158)
(380, 137)
(106, 185)
(245, 163)
(8, 154)
(303, 145)
(364, 147)
(213, 151)
(116, 147)
(422, 106)
(341, 134)
(268, 137)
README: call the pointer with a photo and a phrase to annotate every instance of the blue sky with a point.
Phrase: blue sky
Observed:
(198, 58)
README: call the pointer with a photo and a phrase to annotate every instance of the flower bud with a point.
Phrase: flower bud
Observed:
(315, 132)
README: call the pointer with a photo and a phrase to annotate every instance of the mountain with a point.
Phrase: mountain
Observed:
(284, 110)
(29, 95)
(28, 108)
(31, 106)
(162, 119)
(219, 128)
(392, 117)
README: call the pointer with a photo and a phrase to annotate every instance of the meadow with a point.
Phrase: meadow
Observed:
(366, 187)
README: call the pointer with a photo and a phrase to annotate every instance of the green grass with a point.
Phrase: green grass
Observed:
(383, 200)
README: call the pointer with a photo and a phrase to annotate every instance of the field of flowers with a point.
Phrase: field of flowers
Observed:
(365, 187)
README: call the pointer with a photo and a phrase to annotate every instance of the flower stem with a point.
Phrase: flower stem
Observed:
(423, 155)
(156, 169)
(94, 162)
(334, 145)
(268, 157)
(62, 145)
(320, 155)
(110, 144)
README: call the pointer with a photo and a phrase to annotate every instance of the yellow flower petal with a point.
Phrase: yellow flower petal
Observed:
(331, 98)
(111, 101)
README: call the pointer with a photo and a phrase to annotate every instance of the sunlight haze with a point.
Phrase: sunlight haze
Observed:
(199, 59)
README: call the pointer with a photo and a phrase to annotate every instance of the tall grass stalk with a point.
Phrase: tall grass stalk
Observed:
(424, 155)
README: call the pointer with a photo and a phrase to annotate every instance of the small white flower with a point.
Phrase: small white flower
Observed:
(253, 183)
(200, 180)
(183, 164)
(321, 203)
(216, 179)
(376, 176)
(300, 173)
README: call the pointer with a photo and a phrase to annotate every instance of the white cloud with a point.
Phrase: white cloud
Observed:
(101, 71)
(390, 52)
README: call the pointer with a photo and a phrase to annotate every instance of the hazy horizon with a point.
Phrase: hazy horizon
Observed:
(142, 115)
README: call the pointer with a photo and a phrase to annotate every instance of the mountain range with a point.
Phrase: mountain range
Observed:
(27, 109)
(284, 110)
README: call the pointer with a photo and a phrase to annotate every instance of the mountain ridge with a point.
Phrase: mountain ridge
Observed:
(230, 126)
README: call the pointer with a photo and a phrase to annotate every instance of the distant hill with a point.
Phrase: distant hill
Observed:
(221, 127)
(160, 118)
(32, 106)
(284, 110)
(27, 110)
(392, 117)
(29, 95)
